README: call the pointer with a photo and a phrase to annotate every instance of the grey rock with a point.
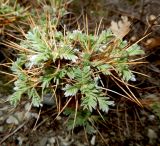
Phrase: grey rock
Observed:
(27, 106)
(93, 140)
(2, 118)
(34, 115)
(1, 113)
(112, 133)
(4, 108)
(67, 141)
(52, 140)
(49, 100)
(151, 117)
(1, 128)
(43, 141)
(152, 135)
(20, 116)
(12, 120)
(20, 140)
(28, 115)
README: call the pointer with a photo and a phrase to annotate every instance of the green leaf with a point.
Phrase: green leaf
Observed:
(89, 102)
(46, 79)
(67, 53)
(36, 100)
(16, 66)
(70, 90)
(69, 111)
(122, 44)
(90, 129)
(104, 104)
(37, 59)
(35, 41)
(15, 97)
(101, 41)
(134, 50)
(75, 35)
(59, 36)
(58, 75)
(71, 73)
(104, 68)
(127, 74)
(82, 119)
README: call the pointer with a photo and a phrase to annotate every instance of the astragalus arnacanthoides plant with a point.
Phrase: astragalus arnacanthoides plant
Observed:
(70, 65)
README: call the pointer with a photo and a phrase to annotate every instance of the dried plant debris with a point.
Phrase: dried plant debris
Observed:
(120, 28)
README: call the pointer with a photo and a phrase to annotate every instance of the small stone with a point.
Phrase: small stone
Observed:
(4, 108)
(152, 17)
(58, 118)
(52, 140)
(28, 115)
(1, 113)
(151, 117)
(34, 115)
(138, 136)
(133, 38)
(143, 119)
(20, 116)
(65, 141)
(131, 144)
(2, 118)
(152, 136)
(49, 100)
(20, 140)
(43, 141)
(93, 140)
(1, 129)
(12, 120)
(113, 133)
(27, 106)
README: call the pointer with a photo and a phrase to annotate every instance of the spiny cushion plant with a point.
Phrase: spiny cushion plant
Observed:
(69, 65)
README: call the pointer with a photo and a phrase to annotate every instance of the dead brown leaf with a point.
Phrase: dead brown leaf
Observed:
(120, 28)
(152, 43)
